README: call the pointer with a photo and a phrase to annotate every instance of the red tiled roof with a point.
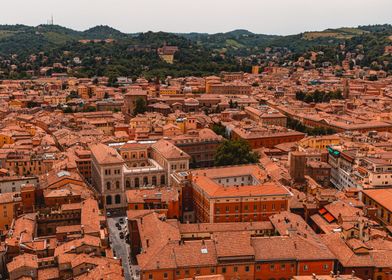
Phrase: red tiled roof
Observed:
(329, 217)
(322, 211)
(206, 179)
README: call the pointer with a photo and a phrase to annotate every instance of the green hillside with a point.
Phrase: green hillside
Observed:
(199, 53)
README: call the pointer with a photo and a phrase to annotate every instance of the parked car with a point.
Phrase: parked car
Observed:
(121, 235)
(122, 221)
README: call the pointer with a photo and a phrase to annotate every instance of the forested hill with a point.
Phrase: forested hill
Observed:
(199, 53)
(21, 38)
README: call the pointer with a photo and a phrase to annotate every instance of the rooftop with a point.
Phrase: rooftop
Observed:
(226, 182)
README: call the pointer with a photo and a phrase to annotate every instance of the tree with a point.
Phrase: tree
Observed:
(140, 106)
(72, 95)
(300, 95)
(89, 109)
(308, 98)
(112, 82)
(298, 126)
(219, 129)
(67, 110)
(232, 152)
(32, 104)
(231, 103)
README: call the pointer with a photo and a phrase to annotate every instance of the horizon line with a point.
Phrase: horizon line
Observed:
(190, 32)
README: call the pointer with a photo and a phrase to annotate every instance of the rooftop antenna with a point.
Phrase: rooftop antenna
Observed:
(50, 21)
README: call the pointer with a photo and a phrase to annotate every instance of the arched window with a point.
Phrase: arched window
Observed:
(117, 199)
(108, 200)
(163, 181)
(117, 184)
(108, 185)
(154, 180)
(137, 183)
(145, 180)
(127, 184)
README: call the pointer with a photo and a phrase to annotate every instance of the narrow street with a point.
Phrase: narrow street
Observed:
(121, 248)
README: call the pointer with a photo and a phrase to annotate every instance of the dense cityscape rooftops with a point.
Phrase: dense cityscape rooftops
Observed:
(280, 168)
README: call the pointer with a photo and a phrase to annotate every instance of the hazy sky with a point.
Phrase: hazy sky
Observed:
(260, 16)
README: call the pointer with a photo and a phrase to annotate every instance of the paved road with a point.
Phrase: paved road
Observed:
(121, 248)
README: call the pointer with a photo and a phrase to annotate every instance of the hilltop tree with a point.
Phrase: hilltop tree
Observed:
(232, 152)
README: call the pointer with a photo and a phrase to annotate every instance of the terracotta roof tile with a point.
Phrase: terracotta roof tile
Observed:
(24, 260)
(168, 150)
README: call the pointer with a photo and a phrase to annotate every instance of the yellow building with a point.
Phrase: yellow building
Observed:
(138, 122)
(55, 100)
(185, 124)
(83, 91)
(31, 129)
(5, 138)
(169, 91)
(255, 70)
(319, 142)
(15, 104)
(168, 58)
(9, 204)
(210, 81)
